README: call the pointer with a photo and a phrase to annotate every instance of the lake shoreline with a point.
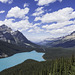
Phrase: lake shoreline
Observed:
(20, 58)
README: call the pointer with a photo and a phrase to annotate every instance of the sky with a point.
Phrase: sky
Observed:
(39, 19)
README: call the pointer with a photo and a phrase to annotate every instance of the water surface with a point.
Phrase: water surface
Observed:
(19, 58)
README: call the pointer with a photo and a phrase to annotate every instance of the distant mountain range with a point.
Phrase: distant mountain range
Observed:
(67, 41)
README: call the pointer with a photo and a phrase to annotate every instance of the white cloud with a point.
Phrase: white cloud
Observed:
(37, 18)
(26, 4)
(60, 0)
(46, 2)
(36, 0)
(6, 1)
(38, 12)
(60, 29)
(39, 9)
(63, 31)
(31, 30)
(58, 25)
(36, 29)
(17, 12)
(22, 25)
(2, 11)
(36, 24)
(61, 15)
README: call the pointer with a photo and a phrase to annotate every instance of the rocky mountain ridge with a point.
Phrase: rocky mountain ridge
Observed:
(14, 37)
(66, 41)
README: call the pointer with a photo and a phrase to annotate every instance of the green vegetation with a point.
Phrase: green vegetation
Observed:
(61, 66)
(11, 49)
(53, 66)
(57, 52)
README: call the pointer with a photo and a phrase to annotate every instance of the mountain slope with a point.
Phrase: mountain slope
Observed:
(14, 37)
(7, 49)
(20, 38)
(5, 34)
(67, 41)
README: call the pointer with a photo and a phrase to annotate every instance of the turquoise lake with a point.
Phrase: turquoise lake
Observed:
(19, 58)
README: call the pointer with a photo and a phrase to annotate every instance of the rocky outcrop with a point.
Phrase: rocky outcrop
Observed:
(3, 55)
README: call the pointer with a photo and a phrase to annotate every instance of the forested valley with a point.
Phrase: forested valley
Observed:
(60, 66)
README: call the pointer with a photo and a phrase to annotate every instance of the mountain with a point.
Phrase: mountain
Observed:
(5, 29)
(20, 38)
(5, 34)
(66, 41)
(48, 40)
(14, 37)
(12, 42)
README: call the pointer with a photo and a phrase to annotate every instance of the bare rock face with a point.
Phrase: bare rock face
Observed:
(19, 37)
(5, 34)
(16, 37)
(3, 55)
(5, 29)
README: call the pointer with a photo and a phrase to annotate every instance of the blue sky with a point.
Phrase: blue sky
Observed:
(39, 19)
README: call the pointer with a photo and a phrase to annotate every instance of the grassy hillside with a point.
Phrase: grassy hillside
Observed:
(62, 66)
